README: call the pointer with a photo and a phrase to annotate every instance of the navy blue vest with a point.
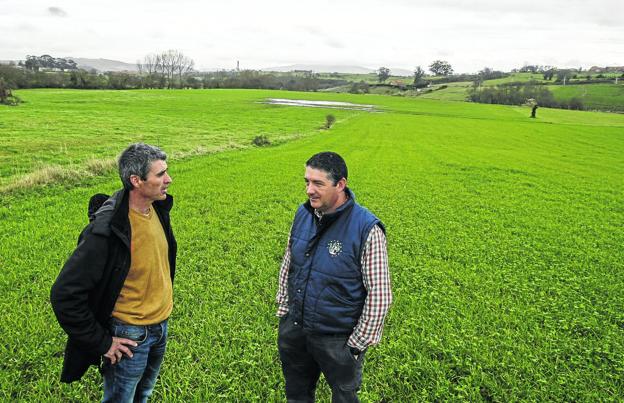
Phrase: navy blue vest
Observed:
(325, 289)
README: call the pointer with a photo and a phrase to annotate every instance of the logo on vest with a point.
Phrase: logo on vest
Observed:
(334, 248)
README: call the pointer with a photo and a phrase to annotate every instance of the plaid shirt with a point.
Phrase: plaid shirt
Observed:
(376, 279)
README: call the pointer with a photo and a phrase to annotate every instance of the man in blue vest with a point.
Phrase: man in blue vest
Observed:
(334, 286)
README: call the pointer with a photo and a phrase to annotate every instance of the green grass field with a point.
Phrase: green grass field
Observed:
(505, 241)
(517, 78)
(453, 92)
(70, 128)
(607, 97)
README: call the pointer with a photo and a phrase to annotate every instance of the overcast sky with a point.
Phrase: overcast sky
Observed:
(370, 33)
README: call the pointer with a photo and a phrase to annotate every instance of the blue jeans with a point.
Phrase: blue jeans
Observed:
(133, 379)
(304, 356)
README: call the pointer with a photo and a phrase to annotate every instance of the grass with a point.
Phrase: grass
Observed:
(504, 241)
(457, 91)
(67, 128)
(606, 97)
(517, 78)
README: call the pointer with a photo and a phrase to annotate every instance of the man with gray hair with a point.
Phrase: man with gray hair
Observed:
(114, 294)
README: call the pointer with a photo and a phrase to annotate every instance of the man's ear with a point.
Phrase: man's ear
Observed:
(135, 180)
(341, 184)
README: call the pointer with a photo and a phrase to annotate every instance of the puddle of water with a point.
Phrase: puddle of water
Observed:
(320, 104)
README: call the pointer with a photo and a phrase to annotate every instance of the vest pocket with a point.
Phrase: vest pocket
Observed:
(335, 313)
(333, 297)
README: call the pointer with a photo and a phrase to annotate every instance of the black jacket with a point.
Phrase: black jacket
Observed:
(84, 294)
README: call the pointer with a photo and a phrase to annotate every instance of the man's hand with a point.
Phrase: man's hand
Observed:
(355, 352)
(118, 349)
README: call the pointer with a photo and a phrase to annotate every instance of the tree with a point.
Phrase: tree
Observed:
(382, 74)
(529, 68)
(34, 63)
(441, 68)
(419, 73)
(329, 121)
(360, 88)
(149, 70)
(562, 76)
(6, 96)
(5, 91)
(549, 74)
(533, 104)
(185, 65)
(161, 70)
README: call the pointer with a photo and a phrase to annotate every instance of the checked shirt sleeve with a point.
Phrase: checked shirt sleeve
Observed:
(282, 290)
(376, 278)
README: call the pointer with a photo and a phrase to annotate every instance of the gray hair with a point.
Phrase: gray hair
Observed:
(137, 160)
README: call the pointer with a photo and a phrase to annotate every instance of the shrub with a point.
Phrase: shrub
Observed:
(261, 141)
(329, 121)
(6, 96)
(359, 88)
(513, 95)
(576, 104)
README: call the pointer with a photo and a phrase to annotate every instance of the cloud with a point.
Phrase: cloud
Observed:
(313, 30)
(57, 12)
(334, 44)
(26, 27)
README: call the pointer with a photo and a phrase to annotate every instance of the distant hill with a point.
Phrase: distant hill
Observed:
(345, 69)
(88, 64)
(116, 65)
(103, 64)
(319, 68)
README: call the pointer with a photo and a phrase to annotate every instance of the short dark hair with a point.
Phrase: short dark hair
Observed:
(330, 162)
(137, 160)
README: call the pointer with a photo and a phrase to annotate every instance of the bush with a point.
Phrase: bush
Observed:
(12, 100)
(329, 121)
(261, 141)
(513, 95)
(359, 88)
(6, 95)
(576, 104)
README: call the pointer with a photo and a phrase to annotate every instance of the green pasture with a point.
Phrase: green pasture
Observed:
(504, 232)
(517, 78)
(609, 97)
(457, 91)
(71, 127)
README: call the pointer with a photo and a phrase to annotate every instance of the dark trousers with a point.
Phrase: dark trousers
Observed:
(305, 356)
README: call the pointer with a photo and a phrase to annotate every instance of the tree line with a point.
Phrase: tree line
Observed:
(164, 70)
(520, 94)
(18, 78)
(36, 63)
(439, 68)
